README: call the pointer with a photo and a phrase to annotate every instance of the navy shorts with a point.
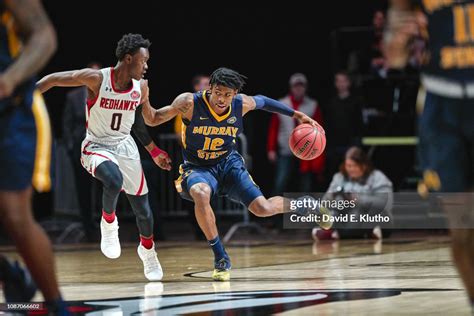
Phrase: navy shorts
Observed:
(228, 177)
(25, 147)
(446, 133)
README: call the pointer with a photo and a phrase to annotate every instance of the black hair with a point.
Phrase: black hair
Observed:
(360, 157)
(130, 44)
(228, 78)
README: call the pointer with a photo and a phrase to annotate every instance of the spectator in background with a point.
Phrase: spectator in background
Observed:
(74, 132)
(279, 133)
(378, 24)
(370, 60)
(343, 122)
(198, 82)
(370, 188)
(368, 68)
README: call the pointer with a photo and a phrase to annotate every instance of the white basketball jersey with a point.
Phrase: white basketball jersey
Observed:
(109, 118)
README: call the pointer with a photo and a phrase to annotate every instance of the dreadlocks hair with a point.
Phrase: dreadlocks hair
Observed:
(228, 78)
(130, 44)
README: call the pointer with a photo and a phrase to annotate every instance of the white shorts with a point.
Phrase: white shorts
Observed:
(125, 155)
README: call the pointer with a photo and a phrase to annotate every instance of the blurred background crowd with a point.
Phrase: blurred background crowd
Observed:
(334, 72)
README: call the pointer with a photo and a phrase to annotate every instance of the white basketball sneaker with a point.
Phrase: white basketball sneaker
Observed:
(109, 242)
(151, 264)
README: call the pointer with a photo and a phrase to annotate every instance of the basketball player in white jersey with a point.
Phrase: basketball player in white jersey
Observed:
(109, 152)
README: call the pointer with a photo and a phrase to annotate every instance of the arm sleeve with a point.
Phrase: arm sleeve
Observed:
(267, 104)
(140, 129)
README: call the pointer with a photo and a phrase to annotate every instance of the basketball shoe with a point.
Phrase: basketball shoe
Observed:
(18, 286)
(314, 208)
(109, 242)
(324, 234)
(222, 269)
(151, 264)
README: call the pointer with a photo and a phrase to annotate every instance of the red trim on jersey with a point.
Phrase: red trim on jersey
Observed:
(91, 102)
(142, 181)
(112, 83)
(88, 153)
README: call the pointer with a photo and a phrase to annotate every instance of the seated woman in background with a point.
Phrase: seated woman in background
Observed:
(372, 193)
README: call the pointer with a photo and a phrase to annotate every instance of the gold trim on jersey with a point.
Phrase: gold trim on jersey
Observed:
(183, 134)
(14, 43)
(218, 117)
(177, 182)
(41, 172)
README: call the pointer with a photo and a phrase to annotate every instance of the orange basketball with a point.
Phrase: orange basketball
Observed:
(307, 142)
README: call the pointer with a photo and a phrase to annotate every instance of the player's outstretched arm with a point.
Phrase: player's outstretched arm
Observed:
(160, 157)
(91, 78)
(40, 43)
(261, 102)
(183, 104)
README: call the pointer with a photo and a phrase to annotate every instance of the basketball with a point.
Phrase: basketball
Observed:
(307, 142)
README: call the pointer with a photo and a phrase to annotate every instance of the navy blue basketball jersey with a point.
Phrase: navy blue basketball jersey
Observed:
(209, 137)
(25, 131)
(451, 38)
(10, 48)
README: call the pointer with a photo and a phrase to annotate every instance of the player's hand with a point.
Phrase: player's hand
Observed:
(6, 87)
(163, 161)
(303, 118)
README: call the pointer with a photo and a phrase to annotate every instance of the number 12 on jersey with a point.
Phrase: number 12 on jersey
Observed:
(212, 144)
(463, 20)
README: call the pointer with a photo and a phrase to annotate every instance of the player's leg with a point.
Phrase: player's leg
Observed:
(463, 239)
(30, 239)
(239, 186)
(144, 218)
(462, 245)
(146, 249)
(103, 165)
(18, 148)
(109, 174)
(135, 186)
(199, 184)
(112, 180)
(442, 128)
(201, 194)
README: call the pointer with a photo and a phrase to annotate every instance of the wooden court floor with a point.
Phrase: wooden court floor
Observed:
(397, 276)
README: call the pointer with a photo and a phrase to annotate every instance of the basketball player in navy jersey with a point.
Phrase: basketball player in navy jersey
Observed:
(27, 42)
(109, 152)
(212, 121)
(446, 134)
